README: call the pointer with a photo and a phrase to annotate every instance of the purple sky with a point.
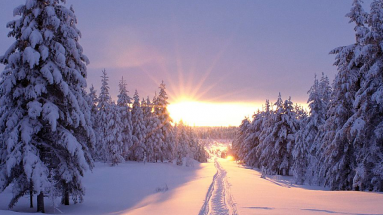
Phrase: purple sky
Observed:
(218, 51)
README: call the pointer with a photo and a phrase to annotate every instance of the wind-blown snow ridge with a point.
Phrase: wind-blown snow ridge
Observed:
(218, 198)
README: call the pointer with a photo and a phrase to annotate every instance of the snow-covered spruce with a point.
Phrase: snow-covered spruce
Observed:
(138, 130)
(46, 130)
(124, 110)
(339, 144)
(166, 145)
(92, 100)
(187, 146)
(103, 118)
(367, 128)
(279, 140)
(304, 152)
(352, 151)
(268, 140)
(240, 138)
(154, 137)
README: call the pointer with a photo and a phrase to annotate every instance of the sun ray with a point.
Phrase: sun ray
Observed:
(226, 95)
(211, 68)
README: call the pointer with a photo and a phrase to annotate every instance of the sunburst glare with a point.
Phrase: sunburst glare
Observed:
(197, 113)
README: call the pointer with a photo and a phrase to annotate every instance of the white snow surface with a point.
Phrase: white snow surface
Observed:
(226, 186)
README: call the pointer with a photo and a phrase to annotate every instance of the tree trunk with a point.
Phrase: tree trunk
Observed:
(31, 194)
(65, 197)
(40, 203)
(31, 198)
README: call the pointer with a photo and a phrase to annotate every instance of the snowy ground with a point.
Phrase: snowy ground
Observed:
(131, 188)
(218, 198)
(218, 187)
(277, 195)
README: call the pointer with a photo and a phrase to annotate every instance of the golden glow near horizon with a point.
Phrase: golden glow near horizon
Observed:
(198, 113)
(230, 158)
(195, 113)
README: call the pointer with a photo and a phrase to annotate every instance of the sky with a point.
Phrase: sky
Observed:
(216, 52)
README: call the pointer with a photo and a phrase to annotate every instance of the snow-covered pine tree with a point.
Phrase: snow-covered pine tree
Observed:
(300, 112)
(265, 147)
(124, 102)
(277, 157)
(201, 155)
(103, 118)
(182, 146)
(193, 145)
(366, 133)
(325, 92)
(146, 111)
(92, 101)
(240, 138)
(252, 141)
(156, 135)
(313, 128)
(287, 136)
(114, 135)
(139, 129)
(337, 153)
(45, 120)
(160, 110)
(304, 152)
(187, 145)
(153, 133)
(300, 154)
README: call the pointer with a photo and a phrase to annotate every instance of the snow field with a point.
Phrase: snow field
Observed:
(187, 198)
(130, 188)
(277, 195)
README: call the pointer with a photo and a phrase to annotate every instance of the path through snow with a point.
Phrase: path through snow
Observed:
(218, 198)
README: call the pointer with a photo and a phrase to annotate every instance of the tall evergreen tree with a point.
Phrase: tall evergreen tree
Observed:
(124, 102)
(252, 141)
(160, 110)
(240, 138)
(153, 136)
(46, 130)
(337, 154)
(265, 147)
(114, 135)
(103, 119)
(139, 129)
(277, 157)
(156, 136)
(367, 122)
(92, 101)
(182, 143)
(305, 148)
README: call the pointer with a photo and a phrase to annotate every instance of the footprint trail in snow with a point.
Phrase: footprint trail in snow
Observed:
(218, 198)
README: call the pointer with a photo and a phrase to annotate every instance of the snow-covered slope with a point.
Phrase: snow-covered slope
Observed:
(163, 188)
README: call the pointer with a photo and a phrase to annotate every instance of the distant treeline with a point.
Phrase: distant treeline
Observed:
(205, 132)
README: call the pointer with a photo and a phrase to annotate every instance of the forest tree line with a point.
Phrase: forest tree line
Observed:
(138, 129)
(222, 132)
(339, 144)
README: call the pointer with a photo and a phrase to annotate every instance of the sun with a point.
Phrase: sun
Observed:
(200, 113)
(230, 158)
